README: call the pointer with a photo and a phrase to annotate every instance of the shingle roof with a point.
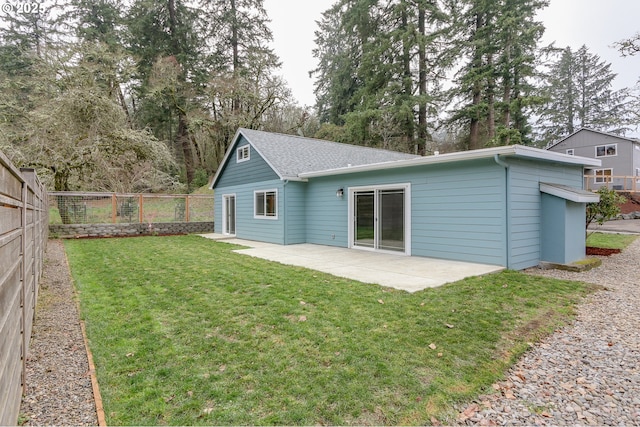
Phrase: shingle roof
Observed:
(553, 144)
(291, 155)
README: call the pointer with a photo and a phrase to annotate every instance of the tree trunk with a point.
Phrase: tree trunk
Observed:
(422, 82)
(407, 81)
(235, 107)
(184, 139)
(491, 100)
(474, 127)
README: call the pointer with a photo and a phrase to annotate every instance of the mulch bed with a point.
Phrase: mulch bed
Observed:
(602, 251)
(631, 205)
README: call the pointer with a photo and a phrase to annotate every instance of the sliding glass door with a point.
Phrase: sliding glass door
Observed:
(379, 218)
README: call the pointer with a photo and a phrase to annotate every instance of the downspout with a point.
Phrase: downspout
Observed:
(284, 211)
(505, 165)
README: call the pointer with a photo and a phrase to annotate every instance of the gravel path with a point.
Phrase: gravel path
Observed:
(59, 388)
(588, 373)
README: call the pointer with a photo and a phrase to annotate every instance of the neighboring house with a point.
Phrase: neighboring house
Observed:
(511, 206)
(620, 157)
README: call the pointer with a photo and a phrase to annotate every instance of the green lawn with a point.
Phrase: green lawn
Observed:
(610, 240)
(184, 331)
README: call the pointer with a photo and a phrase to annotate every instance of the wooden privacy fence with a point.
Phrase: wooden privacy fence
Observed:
(23, 238)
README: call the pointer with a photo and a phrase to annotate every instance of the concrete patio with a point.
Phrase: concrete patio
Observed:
(397, 271)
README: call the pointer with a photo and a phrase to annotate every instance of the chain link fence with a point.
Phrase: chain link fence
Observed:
(100, 208)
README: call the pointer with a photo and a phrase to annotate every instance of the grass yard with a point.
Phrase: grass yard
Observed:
(610, 240)
(184, 331)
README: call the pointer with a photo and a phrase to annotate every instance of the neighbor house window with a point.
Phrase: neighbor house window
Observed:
(266, 204)
(603, 175)
(607, 150)
(243, 153)
(570, 151)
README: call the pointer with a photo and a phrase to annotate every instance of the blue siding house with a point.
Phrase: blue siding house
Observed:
(511, 206)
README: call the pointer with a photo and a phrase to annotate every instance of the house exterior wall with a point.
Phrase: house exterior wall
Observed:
(242, 179)
(486, 210)
(563, 242)
(584, 143)
(457, 209)
(294, 197)
(255, 169)
(524, 206)
(247, 226)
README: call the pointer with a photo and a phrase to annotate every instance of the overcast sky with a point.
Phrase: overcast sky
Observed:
(596, 23)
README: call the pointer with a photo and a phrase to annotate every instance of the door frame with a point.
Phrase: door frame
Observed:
(225, 198)
(407, 215)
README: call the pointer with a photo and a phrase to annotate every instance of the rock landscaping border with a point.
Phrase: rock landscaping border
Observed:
(587, 373)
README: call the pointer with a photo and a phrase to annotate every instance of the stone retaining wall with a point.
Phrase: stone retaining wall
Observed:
(66, 231)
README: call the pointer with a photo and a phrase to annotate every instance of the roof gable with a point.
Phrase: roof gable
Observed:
(610, 135)
(291, 155)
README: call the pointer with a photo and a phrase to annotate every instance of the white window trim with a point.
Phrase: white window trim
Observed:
(406, 186)
(265, 216)
(571, 151)
(243, 153)
(605, 150)
(224, 212)
(602, 179)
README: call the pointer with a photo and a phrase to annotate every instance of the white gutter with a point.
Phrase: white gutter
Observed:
(569, 193)
(486, 153)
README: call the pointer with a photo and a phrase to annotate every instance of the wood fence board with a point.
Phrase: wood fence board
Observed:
(10, 334)
(9, 288)
(9, 253)
(10, 185)
(11, 380)
(10, 219)
(23, 233)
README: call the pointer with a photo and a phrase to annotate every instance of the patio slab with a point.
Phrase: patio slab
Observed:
(408, 273)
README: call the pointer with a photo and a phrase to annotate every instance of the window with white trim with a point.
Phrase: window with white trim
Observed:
(607, 150)
(265, 204)
(603, 175)
(243, 154)
(570, 151)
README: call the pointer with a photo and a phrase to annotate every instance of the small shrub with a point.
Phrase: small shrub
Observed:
(607, 208)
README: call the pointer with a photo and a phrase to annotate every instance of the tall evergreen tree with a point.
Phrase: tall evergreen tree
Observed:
(578, 93)
(499, 38)
(380, 64)
(163, 37)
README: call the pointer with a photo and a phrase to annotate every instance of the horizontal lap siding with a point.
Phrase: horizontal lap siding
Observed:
(525, 206)
(457, 210)
(458, 213)
(236, 173)
(248, 227)
(242, 179)
(294, 195)
(327, 215)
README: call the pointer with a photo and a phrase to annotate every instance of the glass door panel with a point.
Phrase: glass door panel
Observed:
(229, 215)
(391, 220)
(364, 219)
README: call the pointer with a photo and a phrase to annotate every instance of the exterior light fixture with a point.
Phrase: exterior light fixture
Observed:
(340, 193)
